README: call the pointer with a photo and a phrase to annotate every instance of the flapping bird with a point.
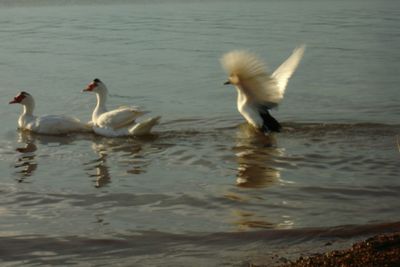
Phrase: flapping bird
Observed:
(258, 90)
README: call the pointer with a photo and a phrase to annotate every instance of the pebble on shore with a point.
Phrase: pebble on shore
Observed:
(378, 251)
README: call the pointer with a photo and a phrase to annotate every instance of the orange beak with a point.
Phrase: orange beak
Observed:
(90, 87)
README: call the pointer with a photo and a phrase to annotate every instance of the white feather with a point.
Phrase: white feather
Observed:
(47, 124)
(258, 90)
(250, 75)
(244, 64)
(118, 118)
(253, 78)
(56, 124)
(282, 74)
(120, 121)
(144, 127)
(137, 129)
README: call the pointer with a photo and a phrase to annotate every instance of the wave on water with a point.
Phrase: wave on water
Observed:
(263, 193)
(180, 249)
(197, 142)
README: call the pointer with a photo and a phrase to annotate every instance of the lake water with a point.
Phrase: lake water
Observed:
(205, 190)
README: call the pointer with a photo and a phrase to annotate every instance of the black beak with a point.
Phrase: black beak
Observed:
(227, 82)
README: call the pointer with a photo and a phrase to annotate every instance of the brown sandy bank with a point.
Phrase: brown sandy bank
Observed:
(378, 251)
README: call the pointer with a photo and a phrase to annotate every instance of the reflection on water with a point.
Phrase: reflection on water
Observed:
(25, 163)
(128, 152)
(102, 174)
(246, 220)
(27, 136)
(255, 154)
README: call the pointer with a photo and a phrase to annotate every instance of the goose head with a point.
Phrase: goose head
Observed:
(96, 86)
(23, 98)
(242, 67)
(233, 79)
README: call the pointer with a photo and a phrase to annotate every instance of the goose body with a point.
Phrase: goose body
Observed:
(258, 91)
(47, 124)
(116, 122)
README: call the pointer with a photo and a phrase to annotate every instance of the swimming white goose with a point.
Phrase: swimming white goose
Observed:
(47, 124)
(117, 122)
(259, 91)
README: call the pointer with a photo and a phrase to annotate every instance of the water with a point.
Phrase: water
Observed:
(205, 189)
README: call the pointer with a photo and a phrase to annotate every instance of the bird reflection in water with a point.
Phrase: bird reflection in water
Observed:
(25, 163)
(102, 174)
(126, 151)
(255, 154)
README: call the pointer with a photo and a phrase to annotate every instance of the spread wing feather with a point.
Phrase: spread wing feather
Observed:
(286, 69)
(254, 79)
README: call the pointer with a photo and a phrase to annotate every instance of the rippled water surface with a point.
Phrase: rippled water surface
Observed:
(205, 189)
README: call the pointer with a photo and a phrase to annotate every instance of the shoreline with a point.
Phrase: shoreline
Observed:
(382, 250)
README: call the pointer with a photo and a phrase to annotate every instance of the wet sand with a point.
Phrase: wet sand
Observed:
(378, 251)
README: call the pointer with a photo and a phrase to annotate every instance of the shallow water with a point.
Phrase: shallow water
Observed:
(205, 189)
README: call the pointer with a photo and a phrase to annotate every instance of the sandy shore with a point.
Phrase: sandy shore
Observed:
(378, 251)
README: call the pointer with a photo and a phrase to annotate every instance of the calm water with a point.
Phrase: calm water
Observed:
(205, 189)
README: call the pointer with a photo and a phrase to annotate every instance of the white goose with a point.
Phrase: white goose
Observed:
(259, 91)
(117, 122)
(47, 124)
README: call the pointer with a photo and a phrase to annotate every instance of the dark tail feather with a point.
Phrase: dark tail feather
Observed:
(270, 124)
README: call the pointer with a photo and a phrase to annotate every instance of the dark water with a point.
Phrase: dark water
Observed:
(205, 189)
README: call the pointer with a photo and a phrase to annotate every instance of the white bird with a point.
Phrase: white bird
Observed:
(259, 91)
(47, 124)
(117, 122)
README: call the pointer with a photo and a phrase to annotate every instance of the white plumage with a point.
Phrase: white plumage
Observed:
(118, 118)
(47, 124)
(258, 90)
(117, 122)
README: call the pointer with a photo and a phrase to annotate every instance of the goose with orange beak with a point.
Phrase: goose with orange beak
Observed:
(116, 122)
(47, 124)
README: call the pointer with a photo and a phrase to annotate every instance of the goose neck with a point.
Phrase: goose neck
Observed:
(101, 100)
(28, 108)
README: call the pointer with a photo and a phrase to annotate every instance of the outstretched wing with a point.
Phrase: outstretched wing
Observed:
(254, 79)
(282, 74)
